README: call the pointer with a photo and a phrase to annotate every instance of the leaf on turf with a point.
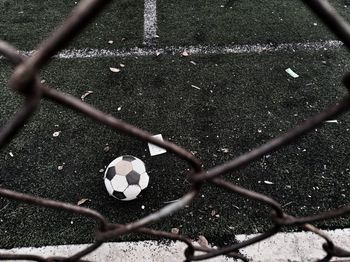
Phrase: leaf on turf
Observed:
(85, 95)
(175, 230)
(114, 70)
(82, 201)
(202, 241)
(185, 53)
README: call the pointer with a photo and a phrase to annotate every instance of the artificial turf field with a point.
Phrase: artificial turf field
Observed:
(243, 101)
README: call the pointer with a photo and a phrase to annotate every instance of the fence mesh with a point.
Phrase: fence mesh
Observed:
(25, 80)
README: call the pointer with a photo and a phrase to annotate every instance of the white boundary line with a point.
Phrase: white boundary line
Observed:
(301, 246)
(150, 22)
(198, 50)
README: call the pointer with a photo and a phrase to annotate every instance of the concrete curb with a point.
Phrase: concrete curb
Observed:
(301, 246)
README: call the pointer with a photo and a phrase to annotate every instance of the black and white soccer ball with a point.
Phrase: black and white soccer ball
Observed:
(125, 178)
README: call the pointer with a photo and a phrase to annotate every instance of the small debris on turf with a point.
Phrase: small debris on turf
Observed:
(332, 121)
(106, 149)
(291, 202)
(114, 70)
(11, 154)
(82, 201)
(101, 170)
(119, 108)
(185, 53)
(292, 73)
(196, 87)
(110, 42)
(202, 241)
(42, 81)
(85, 95)
(60, 168)
(268, 182)
(121, 65)
(175, 230)
(156, 150)
(236, 207)
(56, 134)
(143, 207)
(193, 62)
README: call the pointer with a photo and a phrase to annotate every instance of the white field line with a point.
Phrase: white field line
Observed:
(150, 22)
(301, 246)
(197, 50)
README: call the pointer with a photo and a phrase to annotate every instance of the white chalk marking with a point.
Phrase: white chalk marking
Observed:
(197, 50)
(300, 246)
(150, 22)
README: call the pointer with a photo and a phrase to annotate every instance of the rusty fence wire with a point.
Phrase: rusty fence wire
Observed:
(25, 80)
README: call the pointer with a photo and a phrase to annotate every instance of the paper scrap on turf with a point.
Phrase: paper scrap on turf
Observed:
(292, 73)
(156, 150)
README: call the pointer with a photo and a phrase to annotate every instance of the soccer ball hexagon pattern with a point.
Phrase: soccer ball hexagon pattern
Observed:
(125, 178)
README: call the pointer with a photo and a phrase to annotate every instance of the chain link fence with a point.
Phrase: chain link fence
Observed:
(25, 81)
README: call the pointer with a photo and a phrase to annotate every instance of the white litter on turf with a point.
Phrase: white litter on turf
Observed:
(292, 73)
(156, 150)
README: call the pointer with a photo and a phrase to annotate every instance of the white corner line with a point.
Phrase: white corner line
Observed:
(150, 22)
(300, 246)
(197, 50)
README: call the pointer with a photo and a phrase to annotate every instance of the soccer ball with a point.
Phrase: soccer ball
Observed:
(125, 178)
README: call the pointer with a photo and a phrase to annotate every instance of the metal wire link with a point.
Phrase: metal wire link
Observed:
(25, 80)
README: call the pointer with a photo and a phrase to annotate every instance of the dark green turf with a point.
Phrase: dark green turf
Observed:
(26, 23)
(239, 95)
(220, 22)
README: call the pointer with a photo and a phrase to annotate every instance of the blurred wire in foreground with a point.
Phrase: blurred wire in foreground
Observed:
(25, 80)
